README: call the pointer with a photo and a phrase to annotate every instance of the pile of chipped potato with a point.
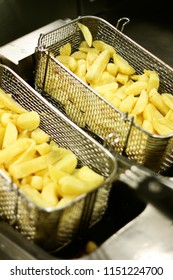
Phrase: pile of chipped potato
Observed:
(109, 74)
(45, 172)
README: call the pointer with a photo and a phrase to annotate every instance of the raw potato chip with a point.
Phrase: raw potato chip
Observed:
(66, 49)
(35, 163)
(108, 73)
(86, 33)
(168, 100)
(98, 66)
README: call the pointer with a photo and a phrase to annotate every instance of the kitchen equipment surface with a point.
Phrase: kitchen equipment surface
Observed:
(87, 108)
(54, 228)
(127, 230)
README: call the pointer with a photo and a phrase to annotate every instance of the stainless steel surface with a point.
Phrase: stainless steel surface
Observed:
(86, 108)
(19, 53)
(14, 246)
(149, 236)
(153, 189)
(50, 227)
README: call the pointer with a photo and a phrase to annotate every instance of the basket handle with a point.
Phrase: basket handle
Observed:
(123, 21)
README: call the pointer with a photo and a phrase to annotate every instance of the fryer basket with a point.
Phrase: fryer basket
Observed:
(87, 108)
(54, 228)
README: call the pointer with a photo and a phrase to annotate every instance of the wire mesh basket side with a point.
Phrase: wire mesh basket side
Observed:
(8, 199)
(49, 229)
(166, 158)
(53, 230)
(149, 150)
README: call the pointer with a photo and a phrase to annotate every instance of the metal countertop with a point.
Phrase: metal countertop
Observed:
(149, 236)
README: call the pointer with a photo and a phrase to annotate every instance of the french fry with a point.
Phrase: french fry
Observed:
(105, 78)
(43, 148)
(156, 99)
(123, 66)
(89, 176)
(86, 33)
(65, 50)
(102, 46)
(6, 117)
(67, 164)
(39, 136)
(36, 182)
(98, 66)
(136, 88)
(112, 68)
(65, 200)
(24, 134)
(90, 247)
(140, 77)
(34, 165)
(168, 99)
(2, 132)
(138, 119)
(79, 55)
(81, 68)
(150, 112)
(107, 87)
(10, 135)
(28, 121)
(168, 123)
(147, 126)
(120, 94)
(153, 80)
(90, 57)
(160, 128)
(109, 96)
(116, 102)
(89, 50)
(70, 185)
(35, 196)
(55, 174)
(49, 194)
(140, 103)
(83, 44)
(169, 115)
(68, 61)
(25, 155)
(14, 149)
(122, 78)
(10, 103)
(127, 104)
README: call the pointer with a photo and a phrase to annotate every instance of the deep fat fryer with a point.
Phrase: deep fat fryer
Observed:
(129, 228)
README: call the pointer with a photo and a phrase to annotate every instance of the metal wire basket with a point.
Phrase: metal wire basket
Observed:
(54, 228)
(87, 108)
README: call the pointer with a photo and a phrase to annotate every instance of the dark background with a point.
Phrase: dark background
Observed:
(150, 21)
